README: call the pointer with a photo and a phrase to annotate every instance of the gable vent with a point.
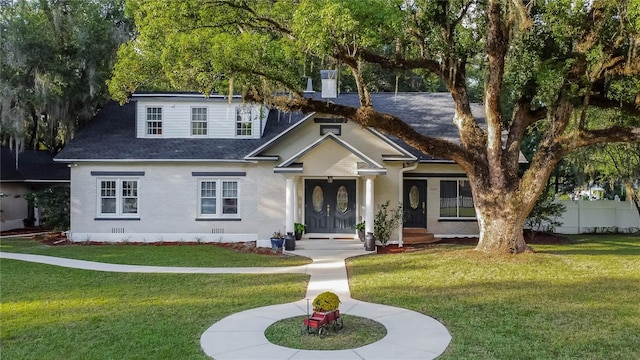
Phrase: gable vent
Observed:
(117, 230)
(335, 129)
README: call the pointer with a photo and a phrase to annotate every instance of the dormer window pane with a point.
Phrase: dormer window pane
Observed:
(199, 121)
(154, 121)
(244, 121)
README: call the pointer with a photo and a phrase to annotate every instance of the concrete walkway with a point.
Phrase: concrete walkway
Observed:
(410, 335)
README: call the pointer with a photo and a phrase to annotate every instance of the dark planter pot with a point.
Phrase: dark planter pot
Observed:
(298, 235)
(276, 243)
(361, 235)
(369, 242)
(289, 242)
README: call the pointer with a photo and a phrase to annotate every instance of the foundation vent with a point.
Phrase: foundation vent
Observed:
(217, 231)
(117, 230)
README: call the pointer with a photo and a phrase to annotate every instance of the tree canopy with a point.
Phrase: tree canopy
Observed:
(539, 64)
(57, 56)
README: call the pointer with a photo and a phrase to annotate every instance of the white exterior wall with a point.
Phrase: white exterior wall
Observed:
(168, 199)
(176, 118)
(598, 216)
(13, 205)
(445, 227)
(168, 204)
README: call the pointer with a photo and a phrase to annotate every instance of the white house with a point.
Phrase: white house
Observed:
(184, 167)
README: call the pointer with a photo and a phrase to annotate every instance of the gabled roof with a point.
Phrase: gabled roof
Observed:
(367, 165)
(111, 136)
(32, 166)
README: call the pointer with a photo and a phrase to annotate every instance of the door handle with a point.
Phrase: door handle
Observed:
(328, 209)
(423, 207)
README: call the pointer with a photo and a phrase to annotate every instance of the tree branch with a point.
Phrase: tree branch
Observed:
(398, 63)
(368, 117)
(255, 17)
(578, 139)
(496, 48)
(462, 13)
(603, 102)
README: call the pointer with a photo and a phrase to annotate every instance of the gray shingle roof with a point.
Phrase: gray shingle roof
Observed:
(111, 135)
(33, 165)
(430, 114)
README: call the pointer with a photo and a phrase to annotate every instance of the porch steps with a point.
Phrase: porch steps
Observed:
(328, 244)
(417, 236)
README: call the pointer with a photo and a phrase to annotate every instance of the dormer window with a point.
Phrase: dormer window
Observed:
(154, 121)
(244, 121)
(199, 121)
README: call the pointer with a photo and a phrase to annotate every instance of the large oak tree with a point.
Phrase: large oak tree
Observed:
(544, 65)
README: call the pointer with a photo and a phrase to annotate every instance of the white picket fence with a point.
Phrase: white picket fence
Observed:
(598, 216)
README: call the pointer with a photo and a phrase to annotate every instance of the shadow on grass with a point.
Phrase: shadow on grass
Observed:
(604, 244)
(551, 305)
(56, 313)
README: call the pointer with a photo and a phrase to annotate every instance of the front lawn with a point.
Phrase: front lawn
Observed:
(199, 255)
(49, 312)
(572, 301)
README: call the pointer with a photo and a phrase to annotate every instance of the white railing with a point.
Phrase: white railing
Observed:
(463, 202)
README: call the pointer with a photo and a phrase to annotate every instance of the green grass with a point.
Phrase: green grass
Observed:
(51, 312)
(357, 332)
(573, 301)
(201, 255)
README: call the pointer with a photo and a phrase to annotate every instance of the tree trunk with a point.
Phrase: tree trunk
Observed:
(501, 229)
(632, 195)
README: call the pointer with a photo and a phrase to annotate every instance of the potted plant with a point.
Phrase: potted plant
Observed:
(385, 221)
(360, 230)
(299, 230)
(277, 239)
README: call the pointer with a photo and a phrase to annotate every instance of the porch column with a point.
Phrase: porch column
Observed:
(369, 204)
(289, 208)
(295, 202)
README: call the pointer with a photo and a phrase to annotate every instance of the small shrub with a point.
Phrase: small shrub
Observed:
(386, 221)
(545, 214)
(54, 207)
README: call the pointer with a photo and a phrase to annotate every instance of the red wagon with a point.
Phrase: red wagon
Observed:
(319, 321)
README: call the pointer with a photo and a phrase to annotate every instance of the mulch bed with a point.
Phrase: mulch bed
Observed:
(539, 238)
(26, 230)
(58, 239)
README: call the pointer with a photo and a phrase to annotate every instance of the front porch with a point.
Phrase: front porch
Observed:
(329, 207)
(348, 242)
